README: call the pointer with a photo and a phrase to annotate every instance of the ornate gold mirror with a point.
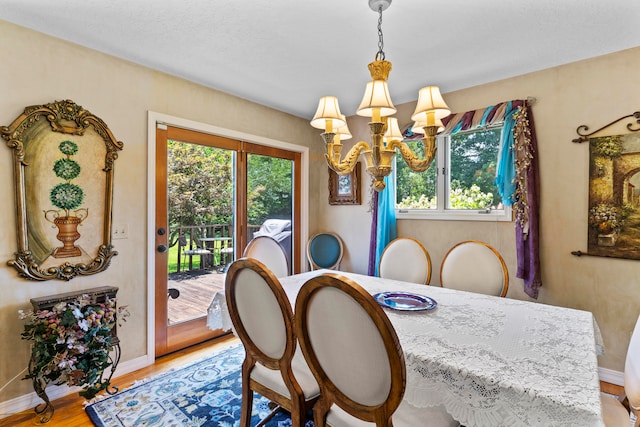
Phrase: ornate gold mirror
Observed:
(63, 158)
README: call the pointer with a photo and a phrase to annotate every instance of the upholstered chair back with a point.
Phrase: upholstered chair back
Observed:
(352, 350)
(325, 250)
(269, 252)
(263, 320)
(475, 266)
(405, 259)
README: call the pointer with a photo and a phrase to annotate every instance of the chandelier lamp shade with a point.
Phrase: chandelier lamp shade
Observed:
(385, 133)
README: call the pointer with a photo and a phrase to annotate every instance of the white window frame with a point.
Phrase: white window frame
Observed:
(442, 191)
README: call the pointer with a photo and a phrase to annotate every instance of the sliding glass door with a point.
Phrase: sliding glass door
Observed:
(212, 195)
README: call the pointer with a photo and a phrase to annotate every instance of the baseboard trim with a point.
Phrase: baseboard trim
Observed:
(610, 376)
(31, 400)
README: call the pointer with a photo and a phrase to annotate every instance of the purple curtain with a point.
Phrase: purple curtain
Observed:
(527, 202)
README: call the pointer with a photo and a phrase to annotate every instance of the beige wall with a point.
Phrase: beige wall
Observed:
(39, 69)
(592, 92)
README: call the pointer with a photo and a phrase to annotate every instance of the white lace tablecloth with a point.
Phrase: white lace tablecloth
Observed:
(488, 361)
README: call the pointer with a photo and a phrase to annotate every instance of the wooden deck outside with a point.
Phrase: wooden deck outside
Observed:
(197, 289)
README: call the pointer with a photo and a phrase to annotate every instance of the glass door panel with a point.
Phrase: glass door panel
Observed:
(270, 198)
(200, 185)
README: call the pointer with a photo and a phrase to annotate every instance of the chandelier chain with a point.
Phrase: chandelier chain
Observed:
(380, 54)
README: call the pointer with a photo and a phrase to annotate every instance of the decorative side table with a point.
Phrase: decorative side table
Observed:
(96, 296)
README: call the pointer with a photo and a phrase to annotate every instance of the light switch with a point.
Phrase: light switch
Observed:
(120, 232)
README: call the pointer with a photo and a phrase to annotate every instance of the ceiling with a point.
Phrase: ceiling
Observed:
(286, 54)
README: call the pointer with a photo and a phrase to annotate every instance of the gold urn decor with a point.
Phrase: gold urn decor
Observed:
(67, 231)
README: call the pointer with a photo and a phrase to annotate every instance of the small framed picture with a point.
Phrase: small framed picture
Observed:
(344, 189)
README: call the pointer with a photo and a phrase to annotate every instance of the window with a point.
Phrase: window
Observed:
(459, 184)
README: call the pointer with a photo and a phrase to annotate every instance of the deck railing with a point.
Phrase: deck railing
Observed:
(188, 238)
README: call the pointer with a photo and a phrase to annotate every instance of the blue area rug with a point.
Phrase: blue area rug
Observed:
(206, 393)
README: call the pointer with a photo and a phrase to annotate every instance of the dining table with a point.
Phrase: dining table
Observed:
(487, 361)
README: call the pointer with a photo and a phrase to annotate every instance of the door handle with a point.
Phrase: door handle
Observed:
(162, 248)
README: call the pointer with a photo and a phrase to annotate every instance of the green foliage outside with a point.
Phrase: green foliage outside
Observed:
(201, 187)
(270, 192)
(473, 170)
(172, 262)
(460, 198)
(415, 190)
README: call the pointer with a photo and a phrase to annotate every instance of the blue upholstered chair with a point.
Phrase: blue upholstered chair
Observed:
(325, 250)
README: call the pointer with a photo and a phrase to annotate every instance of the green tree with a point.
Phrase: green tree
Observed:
(473, 158)
(269, 183)
(200, 184)
(473, 162)
(414, 185)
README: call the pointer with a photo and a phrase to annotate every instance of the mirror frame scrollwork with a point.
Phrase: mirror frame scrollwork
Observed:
(63, 117)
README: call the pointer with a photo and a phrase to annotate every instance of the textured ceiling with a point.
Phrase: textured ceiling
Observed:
(287, 53)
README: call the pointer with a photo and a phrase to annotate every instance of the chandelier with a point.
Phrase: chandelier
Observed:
(385, 133)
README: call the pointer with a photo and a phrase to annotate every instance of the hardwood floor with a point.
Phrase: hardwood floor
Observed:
(69, 411)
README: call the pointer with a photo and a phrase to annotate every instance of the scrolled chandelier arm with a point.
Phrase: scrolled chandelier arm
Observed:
(385, 135)
(410, 158)
(334, 152)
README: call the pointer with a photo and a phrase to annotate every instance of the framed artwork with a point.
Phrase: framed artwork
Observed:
(344, 189)
(614, 190)
(63, 161)
(614, 196)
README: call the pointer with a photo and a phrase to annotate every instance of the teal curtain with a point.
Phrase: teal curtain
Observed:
(506, 170)
(386, 231)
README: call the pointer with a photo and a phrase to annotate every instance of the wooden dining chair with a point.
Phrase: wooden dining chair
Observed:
(614, 412)
(353, 352)
(475, 266)
(325, 250)
(263, 320)
(405, 259)
(269, 252)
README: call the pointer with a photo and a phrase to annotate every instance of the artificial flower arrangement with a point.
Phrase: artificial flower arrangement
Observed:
(72, 341)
